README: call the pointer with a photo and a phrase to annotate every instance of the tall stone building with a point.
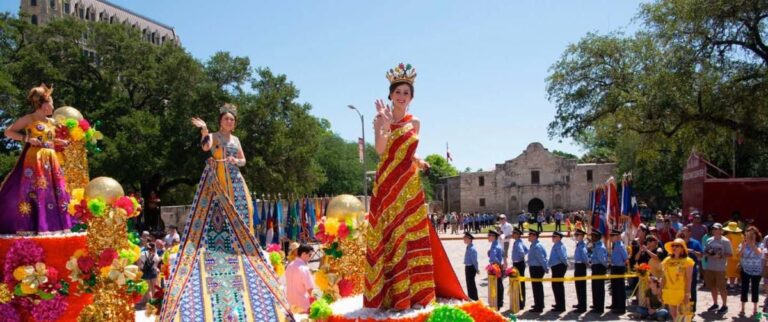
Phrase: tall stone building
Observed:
(535, 180)
(43, 11)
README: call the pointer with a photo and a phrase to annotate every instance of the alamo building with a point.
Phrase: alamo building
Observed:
(533, 181)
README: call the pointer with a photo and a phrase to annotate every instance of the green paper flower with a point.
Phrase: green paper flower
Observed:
(320, 310)
(71, 123)
(97, 207)
(445, 313)
(275, 257)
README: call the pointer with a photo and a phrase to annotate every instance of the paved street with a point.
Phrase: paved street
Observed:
(455, 248)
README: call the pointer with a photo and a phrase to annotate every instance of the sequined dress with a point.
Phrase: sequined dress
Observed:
(404, 254)
(220, 273)
(33, 196)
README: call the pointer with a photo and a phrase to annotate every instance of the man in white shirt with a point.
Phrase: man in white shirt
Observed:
(171, 236)
(506, 231)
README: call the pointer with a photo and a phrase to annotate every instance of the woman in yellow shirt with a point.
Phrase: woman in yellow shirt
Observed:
(678, 270)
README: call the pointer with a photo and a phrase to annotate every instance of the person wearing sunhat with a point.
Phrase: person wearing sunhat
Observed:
(470, 266)
(599, 261)
(677, 279)
(519, 250)
(537, 261)
(580, 259)
(496, 256)
(558, 263)
(619, 261)
(735, 235)
(717, 251)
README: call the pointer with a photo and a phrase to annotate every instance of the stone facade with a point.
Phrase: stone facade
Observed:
(43, 11)
(533, 181)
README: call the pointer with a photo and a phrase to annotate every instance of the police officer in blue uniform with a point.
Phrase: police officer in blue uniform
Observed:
(558, 263)
(496, 256)
(599, 264)
(519, 250)
(537, 262)
(581, 259)
(619, 259)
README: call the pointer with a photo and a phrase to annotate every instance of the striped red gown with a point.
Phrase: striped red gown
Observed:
(404, 253)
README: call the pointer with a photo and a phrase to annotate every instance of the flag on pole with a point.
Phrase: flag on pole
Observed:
(311, 215)
(612, 209)
(629, 201)
(448, 153)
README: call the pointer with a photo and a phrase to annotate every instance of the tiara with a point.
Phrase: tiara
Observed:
(402, 74)
(228, 108)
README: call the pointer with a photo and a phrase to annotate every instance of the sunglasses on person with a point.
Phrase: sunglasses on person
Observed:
(677, 246)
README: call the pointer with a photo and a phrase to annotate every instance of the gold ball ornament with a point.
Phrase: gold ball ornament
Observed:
(343, 207)
(105, 188)
(67, 112)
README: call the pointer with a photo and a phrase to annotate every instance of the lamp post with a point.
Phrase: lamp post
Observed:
(365, 181)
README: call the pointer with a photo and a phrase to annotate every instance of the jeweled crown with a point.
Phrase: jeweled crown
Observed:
(402, 73)
(228, 108)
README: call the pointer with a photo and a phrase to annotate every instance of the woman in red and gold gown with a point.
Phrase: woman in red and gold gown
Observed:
(404, 253)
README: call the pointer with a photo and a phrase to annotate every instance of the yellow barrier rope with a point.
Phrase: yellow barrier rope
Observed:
(515, 296)
(573, 279)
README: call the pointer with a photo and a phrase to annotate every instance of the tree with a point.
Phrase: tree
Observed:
(439, 168)
(144, 95)
(341, 165)
(564, 154)
(692, 78)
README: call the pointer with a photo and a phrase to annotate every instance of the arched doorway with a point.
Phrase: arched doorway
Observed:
(535, 205)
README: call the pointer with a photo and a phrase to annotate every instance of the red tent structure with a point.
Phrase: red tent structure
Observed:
(712, 190)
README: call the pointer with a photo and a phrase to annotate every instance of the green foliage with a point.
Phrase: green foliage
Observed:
(341, 165)
(693, 78)
(564, 154)
(144, 96)
(439, 167)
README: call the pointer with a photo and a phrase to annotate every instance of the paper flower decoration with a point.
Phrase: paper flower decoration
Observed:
(31, 277)
(121, 272)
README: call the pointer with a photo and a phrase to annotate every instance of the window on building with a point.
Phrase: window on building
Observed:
(589, 175)
(482, 202)
(33, 3)
(53, 4)
(567, 179)
(481, 181)
(535, 177)
(66, 8)
(34, 19)
(82, 13)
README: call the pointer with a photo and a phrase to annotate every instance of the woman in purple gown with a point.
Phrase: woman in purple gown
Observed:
(33, 196)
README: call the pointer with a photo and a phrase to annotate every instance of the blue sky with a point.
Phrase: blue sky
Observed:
(482, 64)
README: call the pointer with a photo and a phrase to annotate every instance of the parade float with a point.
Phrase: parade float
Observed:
(340, 277)
(35, 285)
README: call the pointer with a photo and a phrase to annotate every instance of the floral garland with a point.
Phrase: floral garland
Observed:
(84, 209)
(330, 230)
(321, 310)
(109, 266)
(79, 130)
(30, 285)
